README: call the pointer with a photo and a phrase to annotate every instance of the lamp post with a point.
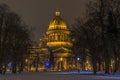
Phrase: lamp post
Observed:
(37, 62)
(27, 64)
(78, 60)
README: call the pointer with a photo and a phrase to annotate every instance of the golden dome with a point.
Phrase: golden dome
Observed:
(57, 23)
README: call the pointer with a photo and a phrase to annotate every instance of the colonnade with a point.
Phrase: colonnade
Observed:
(58, 36)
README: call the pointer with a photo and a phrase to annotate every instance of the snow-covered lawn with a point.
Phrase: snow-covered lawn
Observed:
(73, 75)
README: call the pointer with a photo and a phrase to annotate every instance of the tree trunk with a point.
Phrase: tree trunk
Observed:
(14, 68)
(0, 69)
(94, 69)
(94, 63)
(116, 64)
(115, 57)
(107, 69)
(21, 67)
(107, 63)
(99, 64)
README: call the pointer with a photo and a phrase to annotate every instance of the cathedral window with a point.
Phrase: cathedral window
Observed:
(56, 38)
(50, 38)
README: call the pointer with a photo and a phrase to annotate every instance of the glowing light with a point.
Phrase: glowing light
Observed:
(87, 62)
(78, 59)
(10, 64)
(61, 59)
(48, 64)
(26, 60)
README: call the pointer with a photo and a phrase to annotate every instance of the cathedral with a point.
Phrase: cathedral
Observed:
(54, 50)
(58, 42)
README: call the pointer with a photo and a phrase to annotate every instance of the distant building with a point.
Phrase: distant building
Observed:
(54, 47)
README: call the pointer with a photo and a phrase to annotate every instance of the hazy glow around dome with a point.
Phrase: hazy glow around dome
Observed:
(57, 22)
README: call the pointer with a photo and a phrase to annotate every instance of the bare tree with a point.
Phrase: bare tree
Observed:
(98, 30)
(15, 39)
(88, 37)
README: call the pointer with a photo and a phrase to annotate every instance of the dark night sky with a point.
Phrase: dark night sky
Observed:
(38, 13)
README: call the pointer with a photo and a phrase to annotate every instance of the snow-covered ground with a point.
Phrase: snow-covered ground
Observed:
(73, 75)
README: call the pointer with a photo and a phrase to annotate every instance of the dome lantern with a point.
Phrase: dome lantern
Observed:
(57, 13)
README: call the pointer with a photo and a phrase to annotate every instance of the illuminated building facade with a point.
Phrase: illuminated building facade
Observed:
(54, 47)
(59, 43)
